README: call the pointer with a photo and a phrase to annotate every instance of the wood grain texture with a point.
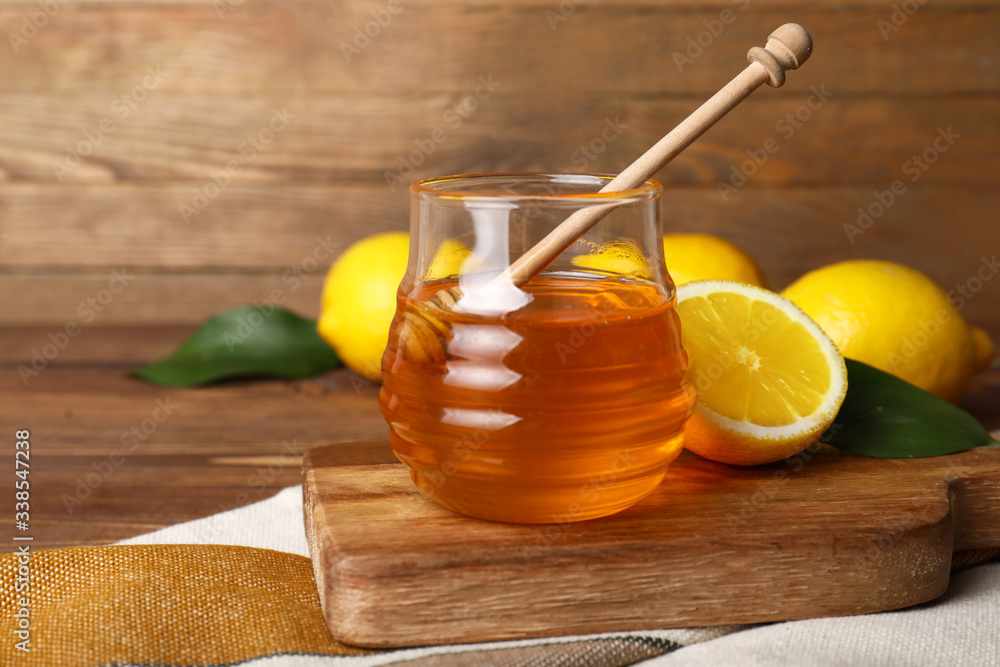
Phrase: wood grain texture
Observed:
(253, 7)
(713, 545)
(324, 175)
(93, 481)
(352, 136)
(247, 48)
(232, 255)
(58, 299)
(295, 227)
(789, 230)
(94, 409)
(105, 346)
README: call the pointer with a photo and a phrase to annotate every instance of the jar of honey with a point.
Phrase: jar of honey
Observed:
(560, 399)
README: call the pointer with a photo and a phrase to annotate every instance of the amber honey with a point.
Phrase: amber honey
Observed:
(569, 407)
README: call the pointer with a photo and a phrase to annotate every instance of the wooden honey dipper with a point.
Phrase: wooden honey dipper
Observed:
(787, 48)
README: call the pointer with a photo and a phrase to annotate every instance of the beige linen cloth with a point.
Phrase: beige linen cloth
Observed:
(237, 589)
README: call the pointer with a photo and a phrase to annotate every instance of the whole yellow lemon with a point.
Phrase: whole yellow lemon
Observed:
(896, 319)
(706, 257)
(359, 300)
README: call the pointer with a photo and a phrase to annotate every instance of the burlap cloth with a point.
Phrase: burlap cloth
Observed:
(233, 602)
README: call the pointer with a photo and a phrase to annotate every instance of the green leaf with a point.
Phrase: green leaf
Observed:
(886, 417)
(245, 341)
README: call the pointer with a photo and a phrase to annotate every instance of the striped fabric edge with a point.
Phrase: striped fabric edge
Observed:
(664, 641)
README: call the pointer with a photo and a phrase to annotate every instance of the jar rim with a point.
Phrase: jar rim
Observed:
(650, 188)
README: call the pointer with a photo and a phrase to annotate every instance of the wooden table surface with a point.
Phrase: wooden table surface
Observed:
(220, 447)
(95, 481)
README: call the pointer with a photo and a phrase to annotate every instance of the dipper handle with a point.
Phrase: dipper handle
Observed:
(787, 48)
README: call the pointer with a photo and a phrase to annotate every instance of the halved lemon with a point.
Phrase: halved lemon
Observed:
(769, 381)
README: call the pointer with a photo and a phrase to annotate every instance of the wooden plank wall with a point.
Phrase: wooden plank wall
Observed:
(118, 115)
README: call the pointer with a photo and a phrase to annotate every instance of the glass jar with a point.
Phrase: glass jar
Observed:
(557, 400)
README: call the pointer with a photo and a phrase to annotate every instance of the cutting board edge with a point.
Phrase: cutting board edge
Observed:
(358, 617)
(357, 632)
(314, 532)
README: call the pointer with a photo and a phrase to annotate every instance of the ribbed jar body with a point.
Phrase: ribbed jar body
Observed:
(558, 400)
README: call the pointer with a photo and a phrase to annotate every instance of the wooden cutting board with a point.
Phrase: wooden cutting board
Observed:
(824, 534)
